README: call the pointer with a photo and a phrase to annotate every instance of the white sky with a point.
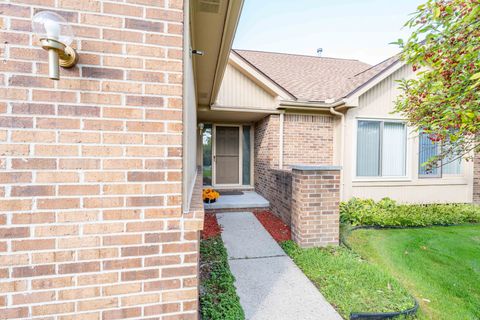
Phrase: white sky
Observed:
(357, 29)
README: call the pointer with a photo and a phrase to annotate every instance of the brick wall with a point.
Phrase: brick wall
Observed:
(476, 179)
(307, 139)
(315, 206)
(279, 192)
(91, 225)
(266, 154)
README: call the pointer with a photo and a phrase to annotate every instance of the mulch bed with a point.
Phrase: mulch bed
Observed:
(210, 227)
(274, 225)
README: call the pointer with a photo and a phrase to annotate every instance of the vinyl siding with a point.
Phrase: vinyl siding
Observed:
(237, 90)
(378, 103)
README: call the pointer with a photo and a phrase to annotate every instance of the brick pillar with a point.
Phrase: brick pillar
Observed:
(315, 205)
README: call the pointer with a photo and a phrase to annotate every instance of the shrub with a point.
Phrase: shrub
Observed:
(386, 212)
(218, 297)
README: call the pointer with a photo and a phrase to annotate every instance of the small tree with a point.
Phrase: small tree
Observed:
(443, 100)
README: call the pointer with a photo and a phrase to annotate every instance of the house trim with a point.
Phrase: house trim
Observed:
(352, 98)
(259, 77)
(241, 109)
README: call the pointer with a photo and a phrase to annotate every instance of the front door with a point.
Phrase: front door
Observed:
(226, 155)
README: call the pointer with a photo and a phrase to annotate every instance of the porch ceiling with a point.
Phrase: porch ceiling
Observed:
(231, 116)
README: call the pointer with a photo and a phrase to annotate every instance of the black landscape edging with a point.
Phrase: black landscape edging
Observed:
(386, 315)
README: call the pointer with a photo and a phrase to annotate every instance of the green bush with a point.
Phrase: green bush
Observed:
(218, 297)
(386, 212)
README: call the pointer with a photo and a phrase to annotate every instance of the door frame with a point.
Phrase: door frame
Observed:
(240, 157)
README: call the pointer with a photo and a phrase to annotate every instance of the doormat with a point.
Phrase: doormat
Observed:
(231, 193)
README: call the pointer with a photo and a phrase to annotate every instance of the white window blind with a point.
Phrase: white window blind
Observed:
(452, 165)
(381, 149)
(394, 149)
(368, 148)
(429, 149)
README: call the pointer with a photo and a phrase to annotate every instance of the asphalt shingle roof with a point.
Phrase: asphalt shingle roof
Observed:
(311, 78)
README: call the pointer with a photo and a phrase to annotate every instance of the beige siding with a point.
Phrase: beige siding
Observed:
(378, 103)
(237, 90)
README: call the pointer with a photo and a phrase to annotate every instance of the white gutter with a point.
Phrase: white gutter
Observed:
(342, 145)
(311, 104)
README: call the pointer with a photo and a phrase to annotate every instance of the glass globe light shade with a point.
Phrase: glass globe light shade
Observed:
(50, 25)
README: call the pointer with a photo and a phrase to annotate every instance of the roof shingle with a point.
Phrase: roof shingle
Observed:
(311, 78)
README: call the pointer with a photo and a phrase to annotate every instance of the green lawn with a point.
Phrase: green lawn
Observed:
(348, 282)
(440, 266)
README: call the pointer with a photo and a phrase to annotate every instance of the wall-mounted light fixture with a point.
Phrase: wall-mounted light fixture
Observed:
(198, 52)
(55, 36)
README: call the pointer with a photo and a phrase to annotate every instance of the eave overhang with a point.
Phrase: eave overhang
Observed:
(213, 31)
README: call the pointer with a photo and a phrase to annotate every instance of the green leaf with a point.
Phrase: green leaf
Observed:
(475, 76)
(470, 114)
(399, 42)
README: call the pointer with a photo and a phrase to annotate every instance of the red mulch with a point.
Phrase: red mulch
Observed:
(274, 225)
(210, 226)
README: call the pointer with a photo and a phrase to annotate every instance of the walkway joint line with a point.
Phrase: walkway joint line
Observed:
(264, 257)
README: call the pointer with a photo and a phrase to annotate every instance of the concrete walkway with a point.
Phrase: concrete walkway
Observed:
(270, 285)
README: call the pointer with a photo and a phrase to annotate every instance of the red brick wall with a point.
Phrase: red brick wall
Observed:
(307, 139)
(476, 179)
(91, 224)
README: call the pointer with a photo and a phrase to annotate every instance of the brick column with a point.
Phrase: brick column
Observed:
(315, 205)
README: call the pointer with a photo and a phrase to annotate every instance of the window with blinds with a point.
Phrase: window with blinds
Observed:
(450, 165)
(381, 148)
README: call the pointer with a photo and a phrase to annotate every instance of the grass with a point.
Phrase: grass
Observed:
(218, 298)
(348, 282)
(440, 266)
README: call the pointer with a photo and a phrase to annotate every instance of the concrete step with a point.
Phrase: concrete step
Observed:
(249, 199)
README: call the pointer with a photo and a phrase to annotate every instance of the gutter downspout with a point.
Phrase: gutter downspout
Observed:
(342, 145)
(280, 155)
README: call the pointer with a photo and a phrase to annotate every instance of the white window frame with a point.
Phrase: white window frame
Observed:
(407, 176)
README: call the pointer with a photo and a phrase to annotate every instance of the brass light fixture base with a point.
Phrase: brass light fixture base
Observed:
(58, 55)
(69, 58)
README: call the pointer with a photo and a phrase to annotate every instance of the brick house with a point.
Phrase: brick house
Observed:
(100, 206)
(292, 110)
(99, 199)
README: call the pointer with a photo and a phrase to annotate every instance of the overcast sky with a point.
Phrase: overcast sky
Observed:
(357, 29)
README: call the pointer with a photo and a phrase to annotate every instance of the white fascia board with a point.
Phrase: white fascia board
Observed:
(352, 99)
